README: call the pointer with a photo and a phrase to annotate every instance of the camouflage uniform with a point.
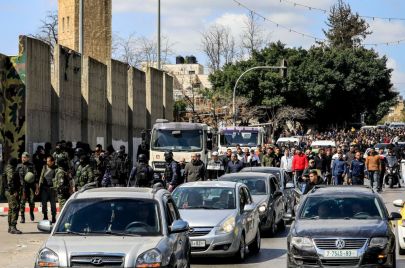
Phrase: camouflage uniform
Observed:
(62, 186)
(13, 189)
(98, 164)
(48, 190)
(120, 164)
(61, 155)
(28, 189)
(84, 175)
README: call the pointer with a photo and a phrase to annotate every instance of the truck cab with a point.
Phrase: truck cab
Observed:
(229, 137)
(183, 139)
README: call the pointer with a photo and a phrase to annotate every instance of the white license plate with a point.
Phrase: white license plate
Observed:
(198, 244)
(340, 253)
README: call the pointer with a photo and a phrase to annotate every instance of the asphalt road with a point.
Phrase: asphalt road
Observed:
(19, 251)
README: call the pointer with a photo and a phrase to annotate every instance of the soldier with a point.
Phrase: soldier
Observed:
(60, 152)
(47, 189)
(62, 183)
(97, 162)
(84, 174)
(141, 173)
(172, 172)
(26, 171)
(13, 190)
(120, 166)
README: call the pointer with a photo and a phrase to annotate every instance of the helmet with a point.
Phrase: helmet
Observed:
(142, 158)
(29, 177)
(79, 152)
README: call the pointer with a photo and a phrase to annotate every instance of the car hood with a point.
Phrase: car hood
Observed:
(205, 217)
(131, 247)
(258, 199)
(337, 228)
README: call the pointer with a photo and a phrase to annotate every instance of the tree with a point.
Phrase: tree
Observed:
(48, 31)
(252, 35)
(346, 30)
(219, 46)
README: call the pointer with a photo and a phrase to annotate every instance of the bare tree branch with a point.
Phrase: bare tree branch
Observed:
(48, 31)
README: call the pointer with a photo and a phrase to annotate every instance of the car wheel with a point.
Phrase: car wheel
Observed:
(241, 254)
(254, 247)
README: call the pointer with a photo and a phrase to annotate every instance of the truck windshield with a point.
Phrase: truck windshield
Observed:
(232, 138)
(177, 140)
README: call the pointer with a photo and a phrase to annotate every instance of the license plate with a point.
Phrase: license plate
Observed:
(340, 253)
(198, 244)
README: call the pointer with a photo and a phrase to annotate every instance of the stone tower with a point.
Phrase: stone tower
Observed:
(97, 17)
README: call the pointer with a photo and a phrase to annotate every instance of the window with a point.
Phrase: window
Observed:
(67, 23)
(204, 198)
(191, 72)
(248, 196)
(273, 186)
(257, 186)
(63, 25)
(172, 214)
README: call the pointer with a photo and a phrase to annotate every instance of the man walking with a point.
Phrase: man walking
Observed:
(194, 170)
(357, 170)
(141, 174)
(62, 183)
(13, 190)
(373, 166)
(84, 174)
(26, 171)
(47, 189)
(172, 172)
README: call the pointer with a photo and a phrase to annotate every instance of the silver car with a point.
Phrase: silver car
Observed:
(223, 218)
(117, 227)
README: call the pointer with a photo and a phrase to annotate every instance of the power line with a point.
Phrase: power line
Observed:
(390, 43)
(325, 11)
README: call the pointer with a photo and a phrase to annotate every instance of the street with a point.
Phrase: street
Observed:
(20, 250)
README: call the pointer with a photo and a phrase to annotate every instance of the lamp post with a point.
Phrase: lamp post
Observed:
(158, 37)
(282, 67)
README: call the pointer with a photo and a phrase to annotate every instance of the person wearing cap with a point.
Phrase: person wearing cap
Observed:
(195, 169)
(215, 167)
(29, 182)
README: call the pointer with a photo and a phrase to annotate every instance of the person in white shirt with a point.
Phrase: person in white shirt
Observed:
(286, 162)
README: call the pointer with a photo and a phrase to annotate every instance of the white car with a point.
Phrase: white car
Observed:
(401, 227)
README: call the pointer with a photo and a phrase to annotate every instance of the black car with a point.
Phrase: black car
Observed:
(344, 226)
(290, 195)
(265, 191)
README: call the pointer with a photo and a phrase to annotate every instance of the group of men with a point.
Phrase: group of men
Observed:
(55, 175)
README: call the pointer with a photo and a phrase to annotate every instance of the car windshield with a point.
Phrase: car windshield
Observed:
(338, 207)
(232, 138)
(177, 140)
(109, 217)
(204, 198)
(257, 186)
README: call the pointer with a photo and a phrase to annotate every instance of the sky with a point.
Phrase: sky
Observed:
(183, 21)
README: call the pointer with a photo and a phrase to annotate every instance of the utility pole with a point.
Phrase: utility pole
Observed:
(81, 27)
(158, 37)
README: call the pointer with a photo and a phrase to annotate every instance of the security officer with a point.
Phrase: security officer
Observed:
(47, 189)
(62, 183)
(13, 190)
(172, 172)
(97, 163)
(215, 167)
(121, 166)
(84, 174)
(60, 152)
(26, 171)
(141, 173)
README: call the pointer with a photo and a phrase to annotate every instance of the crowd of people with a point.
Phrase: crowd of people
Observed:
(54, 175)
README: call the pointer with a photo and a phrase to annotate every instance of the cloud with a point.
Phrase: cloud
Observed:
(398, 77)
(386, 31)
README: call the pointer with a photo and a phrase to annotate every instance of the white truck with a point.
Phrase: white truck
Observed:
(182, 139)
(229, 137)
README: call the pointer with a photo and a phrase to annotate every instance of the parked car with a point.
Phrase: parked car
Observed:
(267, 194)
(401, 226)
(117, 227)
(342, 226)
(290, 195)
(316, 145)
(223, 218)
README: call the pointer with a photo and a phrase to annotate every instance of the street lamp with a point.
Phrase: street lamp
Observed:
(282, 67)
(158, 37)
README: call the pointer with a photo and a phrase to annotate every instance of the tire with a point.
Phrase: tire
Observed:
(254, 247)
(391, 182)
(241, 254)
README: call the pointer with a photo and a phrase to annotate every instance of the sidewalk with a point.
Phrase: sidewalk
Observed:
(38, 207)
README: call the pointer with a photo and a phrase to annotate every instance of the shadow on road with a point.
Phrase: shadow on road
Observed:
(264, 256)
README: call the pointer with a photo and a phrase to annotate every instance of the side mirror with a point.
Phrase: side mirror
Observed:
(249, 208)
(394, 216)
(45, 226)
(289, 185)
(398, 203)
(179, 226)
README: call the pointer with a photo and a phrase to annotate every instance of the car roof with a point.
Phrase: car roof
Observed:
(341, 190)
(219, 184)
(323, 143)
(120, 192)
(245, 174)
(258, 169)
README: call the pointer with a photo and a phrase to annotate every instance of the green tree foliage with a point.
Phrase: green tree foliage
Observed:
(346, 30)
(334, 85)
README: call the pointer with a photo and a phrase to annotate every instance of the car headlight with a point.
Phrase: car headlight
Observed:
(263, 208)
(378, 242)
(47, 258)
(150, 258)
(228, 225)
(302, 242)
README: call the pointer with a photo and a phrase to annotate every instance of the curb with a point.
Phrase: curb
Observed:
(27, 209)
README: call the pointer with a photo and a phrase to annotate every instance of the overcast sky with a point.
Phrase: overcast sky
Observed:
(184, 20)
